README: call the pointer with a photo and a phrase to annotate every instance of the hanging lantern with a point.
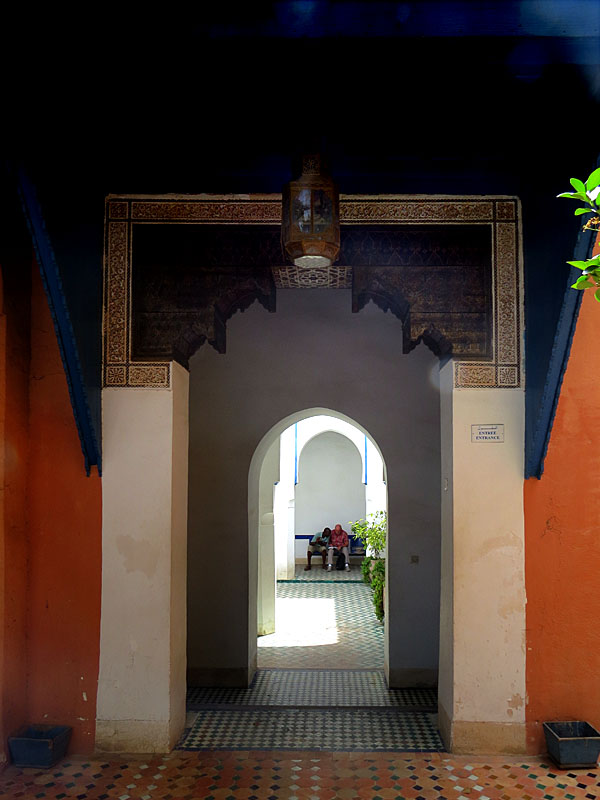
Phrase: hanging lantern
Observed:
(310, 225)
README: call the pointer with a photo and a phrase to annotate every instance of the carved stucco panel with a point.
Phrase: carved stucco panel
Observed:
(119, 370)
(117, 277)
(507, 294)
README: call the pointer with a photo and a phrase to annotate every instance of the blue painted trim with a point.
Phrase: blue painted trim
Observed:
(365, 460)
(565, 329)
(295, 453)
(61, 319)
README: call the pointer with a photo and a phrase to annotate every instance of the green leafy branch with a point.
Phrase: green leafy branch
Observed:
(587, 193)
(372, 531)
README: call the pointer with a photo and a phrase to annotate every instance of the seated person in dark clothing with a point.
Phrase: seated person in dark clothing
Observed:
(319, 542)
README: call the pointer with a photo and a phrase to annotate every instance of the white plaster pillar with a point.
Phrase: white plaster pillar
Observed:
(142, 681)
(482, 641)
(267, 585)
(284, 513)
(266, 575)
(291, 538)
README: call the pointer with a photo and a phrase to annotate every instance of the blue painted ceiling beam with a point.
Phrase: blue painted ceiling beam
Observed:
(293, 19)
(62, 322)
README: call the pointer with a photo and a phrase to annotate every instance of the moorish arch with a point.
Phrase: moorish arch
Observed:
(272, 483)
(468, 312)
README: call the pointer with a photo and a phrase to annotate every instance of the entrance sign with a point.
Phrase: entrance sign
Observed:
(487, 433)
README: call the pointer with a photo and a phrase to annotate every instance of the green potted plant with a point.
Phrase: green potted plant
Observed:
(365, 568)
(373, 532)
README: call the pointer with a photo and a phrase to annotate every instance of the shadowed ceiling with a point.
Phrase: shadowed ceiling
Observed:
(431, 97)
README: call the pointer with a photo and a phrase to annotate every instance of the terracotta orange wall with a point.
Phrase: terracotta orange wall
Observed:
(14, 446)
(562, 555)
(65, 534)
(50, 529)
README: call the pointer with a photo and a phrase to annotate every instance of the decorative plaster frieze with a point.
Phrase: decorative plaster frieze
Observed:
(501, 214)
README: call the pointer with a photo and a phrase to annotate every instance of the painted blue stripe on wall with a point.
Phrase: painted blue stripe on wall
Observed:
(62, 322)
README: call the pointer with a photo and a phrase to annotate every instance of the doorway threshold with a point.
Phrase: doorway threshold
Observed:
(329, 710)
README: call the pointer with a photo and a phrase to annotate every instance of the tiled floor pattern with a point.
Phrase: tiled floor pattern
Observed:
(351, 639)
(300, 776)
(312, 688)
(317, 574)
(319, 686)
(308, 729)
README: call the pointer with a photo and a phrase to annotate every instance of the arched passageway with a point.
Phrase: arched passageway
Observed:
(314, 353)
(276, 366)
(314, 473)
(328, 652)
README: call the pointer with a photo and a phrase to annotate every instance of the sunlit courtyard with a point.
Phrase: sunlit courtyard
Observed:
(303, 622)
(323, 625)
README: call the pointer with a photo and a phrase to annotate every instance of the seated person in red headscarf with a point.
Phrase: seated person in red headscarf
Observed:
(338, 543)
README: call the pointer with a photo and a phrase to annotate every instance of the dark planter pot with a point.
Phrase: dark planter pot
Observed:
(39, 745)
(572, 745)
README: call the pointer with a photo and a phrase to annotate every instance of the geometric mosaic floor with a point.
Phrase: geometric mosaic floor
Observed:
(317, 574)
(323, 625)
(314, 703)
(313, 729)
(292, 776)
(290, 701)
(314, 689)
(331, 695)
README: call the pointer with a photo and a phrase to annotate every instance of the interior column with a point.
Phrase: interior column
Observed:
(142, 683)
(482, 640)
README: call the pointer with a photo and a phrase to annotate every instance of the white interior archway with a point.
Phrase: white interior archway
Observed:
(266, 473)
(330, 487)
(292, 442)
(277, 483)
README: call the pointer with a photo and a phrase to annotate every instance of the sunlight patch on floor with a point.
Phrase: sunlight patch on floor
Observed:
(302, 622)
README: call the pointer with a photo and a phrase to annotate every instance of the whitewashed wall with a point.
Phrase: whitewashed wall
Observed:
(292, 443)
(482, 695)
(330, 488)
(142, 680)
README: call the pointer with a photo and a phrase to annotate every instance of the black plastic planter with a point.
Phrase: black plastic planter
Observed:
(39, 745)
(572, 745)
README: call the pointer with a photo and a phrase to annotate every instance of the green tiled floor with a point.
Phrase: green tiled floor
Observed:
(317, 573)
